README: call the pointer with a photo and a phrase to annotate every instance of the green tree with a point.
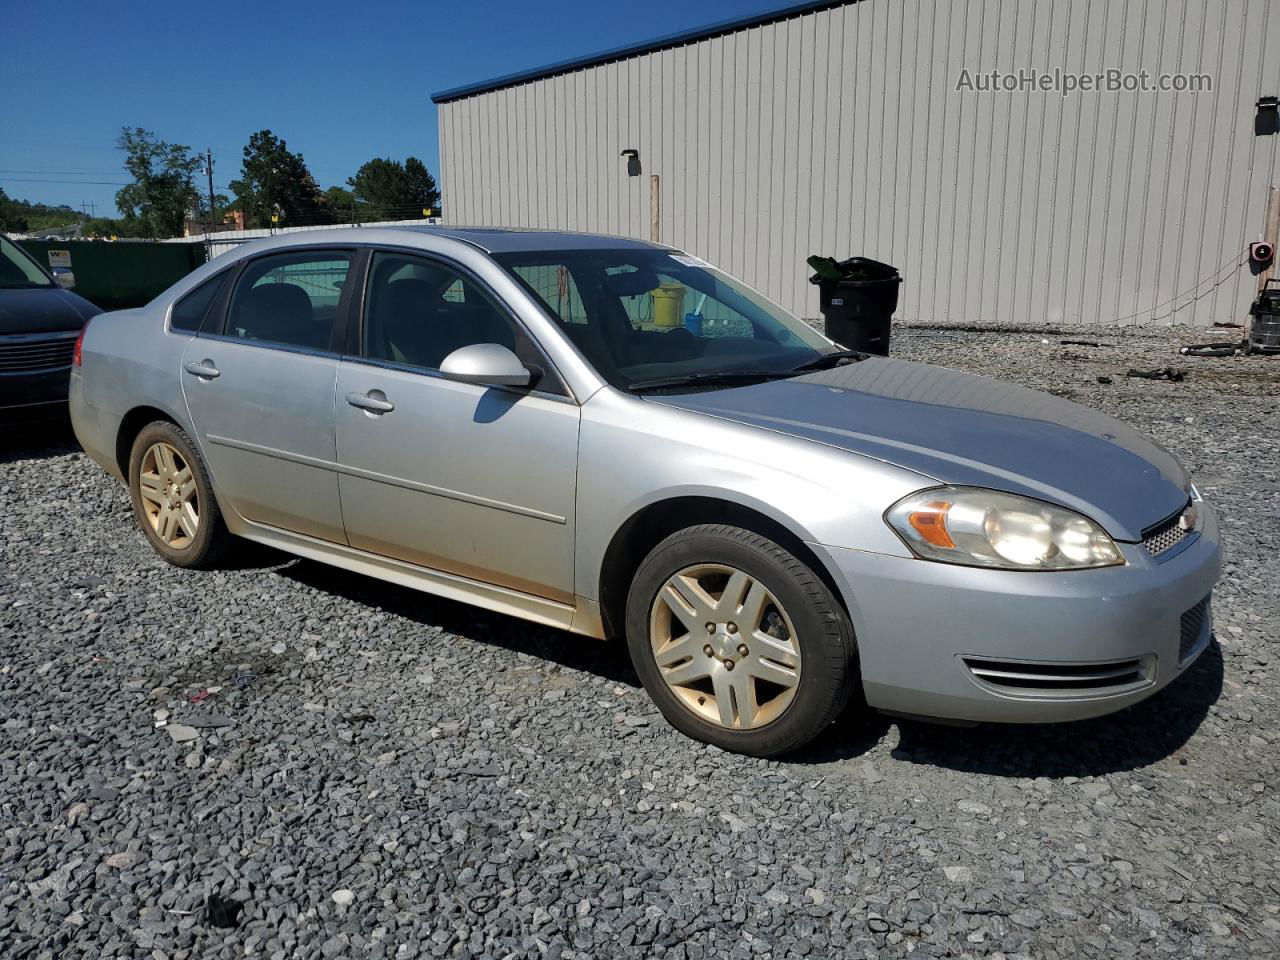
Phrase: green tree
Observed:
(275, 180)
(162, 193)
(12, 216)
(342, 204)
(21, 216)
(386, 189)
(108, 227)
(422, 185)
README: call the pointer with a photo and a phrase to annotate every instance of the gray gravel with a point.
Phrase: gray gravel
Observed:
(372, 772)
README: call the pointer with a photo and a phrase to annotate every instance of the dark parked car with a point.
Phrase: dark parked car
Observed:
(39, 322)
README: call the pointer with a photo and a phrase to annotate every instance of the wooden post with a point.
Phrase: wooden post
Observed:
(1270, 233)
(655, 210)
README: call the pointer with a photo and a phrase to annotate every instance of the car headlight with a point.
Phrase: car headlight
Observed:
(986, 528)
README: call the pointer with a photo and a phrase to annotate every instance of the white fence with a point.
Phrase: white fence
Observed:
(227, 240)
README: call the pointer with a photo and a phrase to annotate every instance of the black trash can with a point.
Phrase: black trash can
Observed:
(1264, 330)
(858, 306)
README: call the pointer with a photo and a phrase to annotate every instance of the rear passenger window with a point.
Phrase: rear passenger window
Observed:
(290, 299)
(189, 312)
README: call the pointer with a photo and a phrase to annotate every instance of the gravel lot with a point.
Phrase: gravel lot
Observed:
(378, 773)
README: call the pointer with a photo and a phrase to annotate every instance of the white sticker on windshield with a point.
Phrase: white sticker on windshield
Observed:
(689, 260)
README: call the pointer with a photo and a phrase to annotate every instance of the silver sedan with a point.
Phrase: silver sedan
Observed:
(618, 439)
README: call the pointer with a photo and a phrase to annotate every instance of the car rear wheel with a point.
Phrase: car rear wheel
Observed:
(738, 642)
(172, 497)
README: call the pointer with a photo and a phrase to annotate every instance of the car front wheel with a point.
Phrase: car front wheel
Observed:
(738, 642)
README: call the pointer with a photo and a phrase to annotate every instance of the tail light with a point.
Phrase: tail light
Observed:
(79, 347)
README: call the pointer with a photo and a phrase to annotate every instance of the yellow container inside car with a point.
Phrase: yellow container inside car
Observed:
(668, 305)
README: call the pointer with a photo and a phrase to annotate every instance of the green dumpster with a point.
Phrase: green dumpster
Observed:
(119, 274)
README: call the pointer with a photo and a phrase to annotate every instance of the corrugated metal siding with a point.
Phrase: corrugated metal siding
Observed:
(842, 132)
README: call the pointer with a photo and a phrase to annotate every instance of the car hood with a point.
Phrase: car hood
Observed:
(44, 310)
(966, 429)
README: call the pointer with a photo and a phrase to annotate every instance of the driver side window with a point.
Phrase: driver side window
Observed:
(420, 311)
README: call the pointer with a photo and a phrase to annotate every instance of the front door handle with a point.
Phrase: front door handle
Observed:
(203, 369)
(374, 401)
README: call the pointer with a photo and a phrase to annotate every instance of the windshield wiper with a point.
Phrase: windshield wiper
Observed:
(828, 360)
(721, 378)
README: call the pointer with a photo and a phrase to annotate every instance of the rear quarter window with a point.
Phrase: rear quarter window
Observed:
(189, 312)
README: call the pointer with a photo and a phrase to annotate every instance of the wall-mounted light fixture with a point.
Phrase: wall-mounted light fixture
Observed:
(633, 161)
(1266, 121)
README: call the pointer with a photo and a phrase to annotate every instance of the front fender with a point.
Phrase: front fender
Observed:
(633, 454)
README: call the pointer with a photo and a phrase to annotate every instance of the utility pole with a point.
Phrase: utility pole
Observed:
(208, 166)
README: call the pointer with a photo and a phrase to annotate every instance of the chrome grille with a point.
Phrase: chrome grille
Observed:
(1193, 631)
(31, 353)
(1165, 534)
(1062, 678)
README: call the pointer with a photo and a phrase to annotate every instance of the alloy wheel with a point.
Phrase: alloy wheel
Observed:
(170, 499)
(725, 646)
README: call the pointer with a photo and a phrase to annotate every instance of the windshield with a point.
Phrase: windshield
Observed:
(17, 269)
(645, 315)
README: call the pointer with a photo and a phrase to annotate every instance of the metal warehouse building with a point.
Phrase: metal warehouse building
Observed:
(863, 128)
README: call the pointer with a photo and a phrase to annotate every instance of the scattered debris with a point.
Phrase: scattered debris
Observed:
(200, 697)
(120, 861)
(208, 721)
(181, 733)
(354, 718)
(1227, 348)
(1083, 343)
(279, 648)
(243, 680)
(1219, 323)
(343, 898)
(1168, 373)
(1105, 380)
(222, 913)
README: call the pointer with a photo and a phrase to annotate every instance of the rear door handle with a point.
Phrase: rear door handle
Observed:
(203, 369)
(374, 401)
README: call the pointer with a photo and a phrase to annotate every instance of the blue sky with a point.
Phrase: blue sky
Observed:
(341, 82)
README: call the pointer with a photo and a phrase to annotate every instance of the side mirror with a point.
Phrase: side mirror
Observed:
(486, 363)
(64, 278)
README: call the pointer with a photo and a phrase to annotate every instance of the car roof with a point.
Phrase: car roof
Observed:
(488, 239)
(518, 239)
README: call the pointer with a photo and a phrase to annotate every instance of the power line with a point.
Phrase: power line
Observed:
(86, 183)
(76, 173)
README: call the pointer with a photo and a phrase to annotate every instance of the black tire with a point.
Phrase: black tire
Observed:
(212, 539)
(828, 666)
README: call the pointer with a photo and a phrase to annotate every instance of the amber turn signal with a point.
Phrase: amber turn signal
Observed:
(931, 524)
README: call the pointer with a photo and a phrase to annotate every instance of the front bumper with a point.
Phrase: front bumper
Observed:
(963, 643)
(31, 390)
